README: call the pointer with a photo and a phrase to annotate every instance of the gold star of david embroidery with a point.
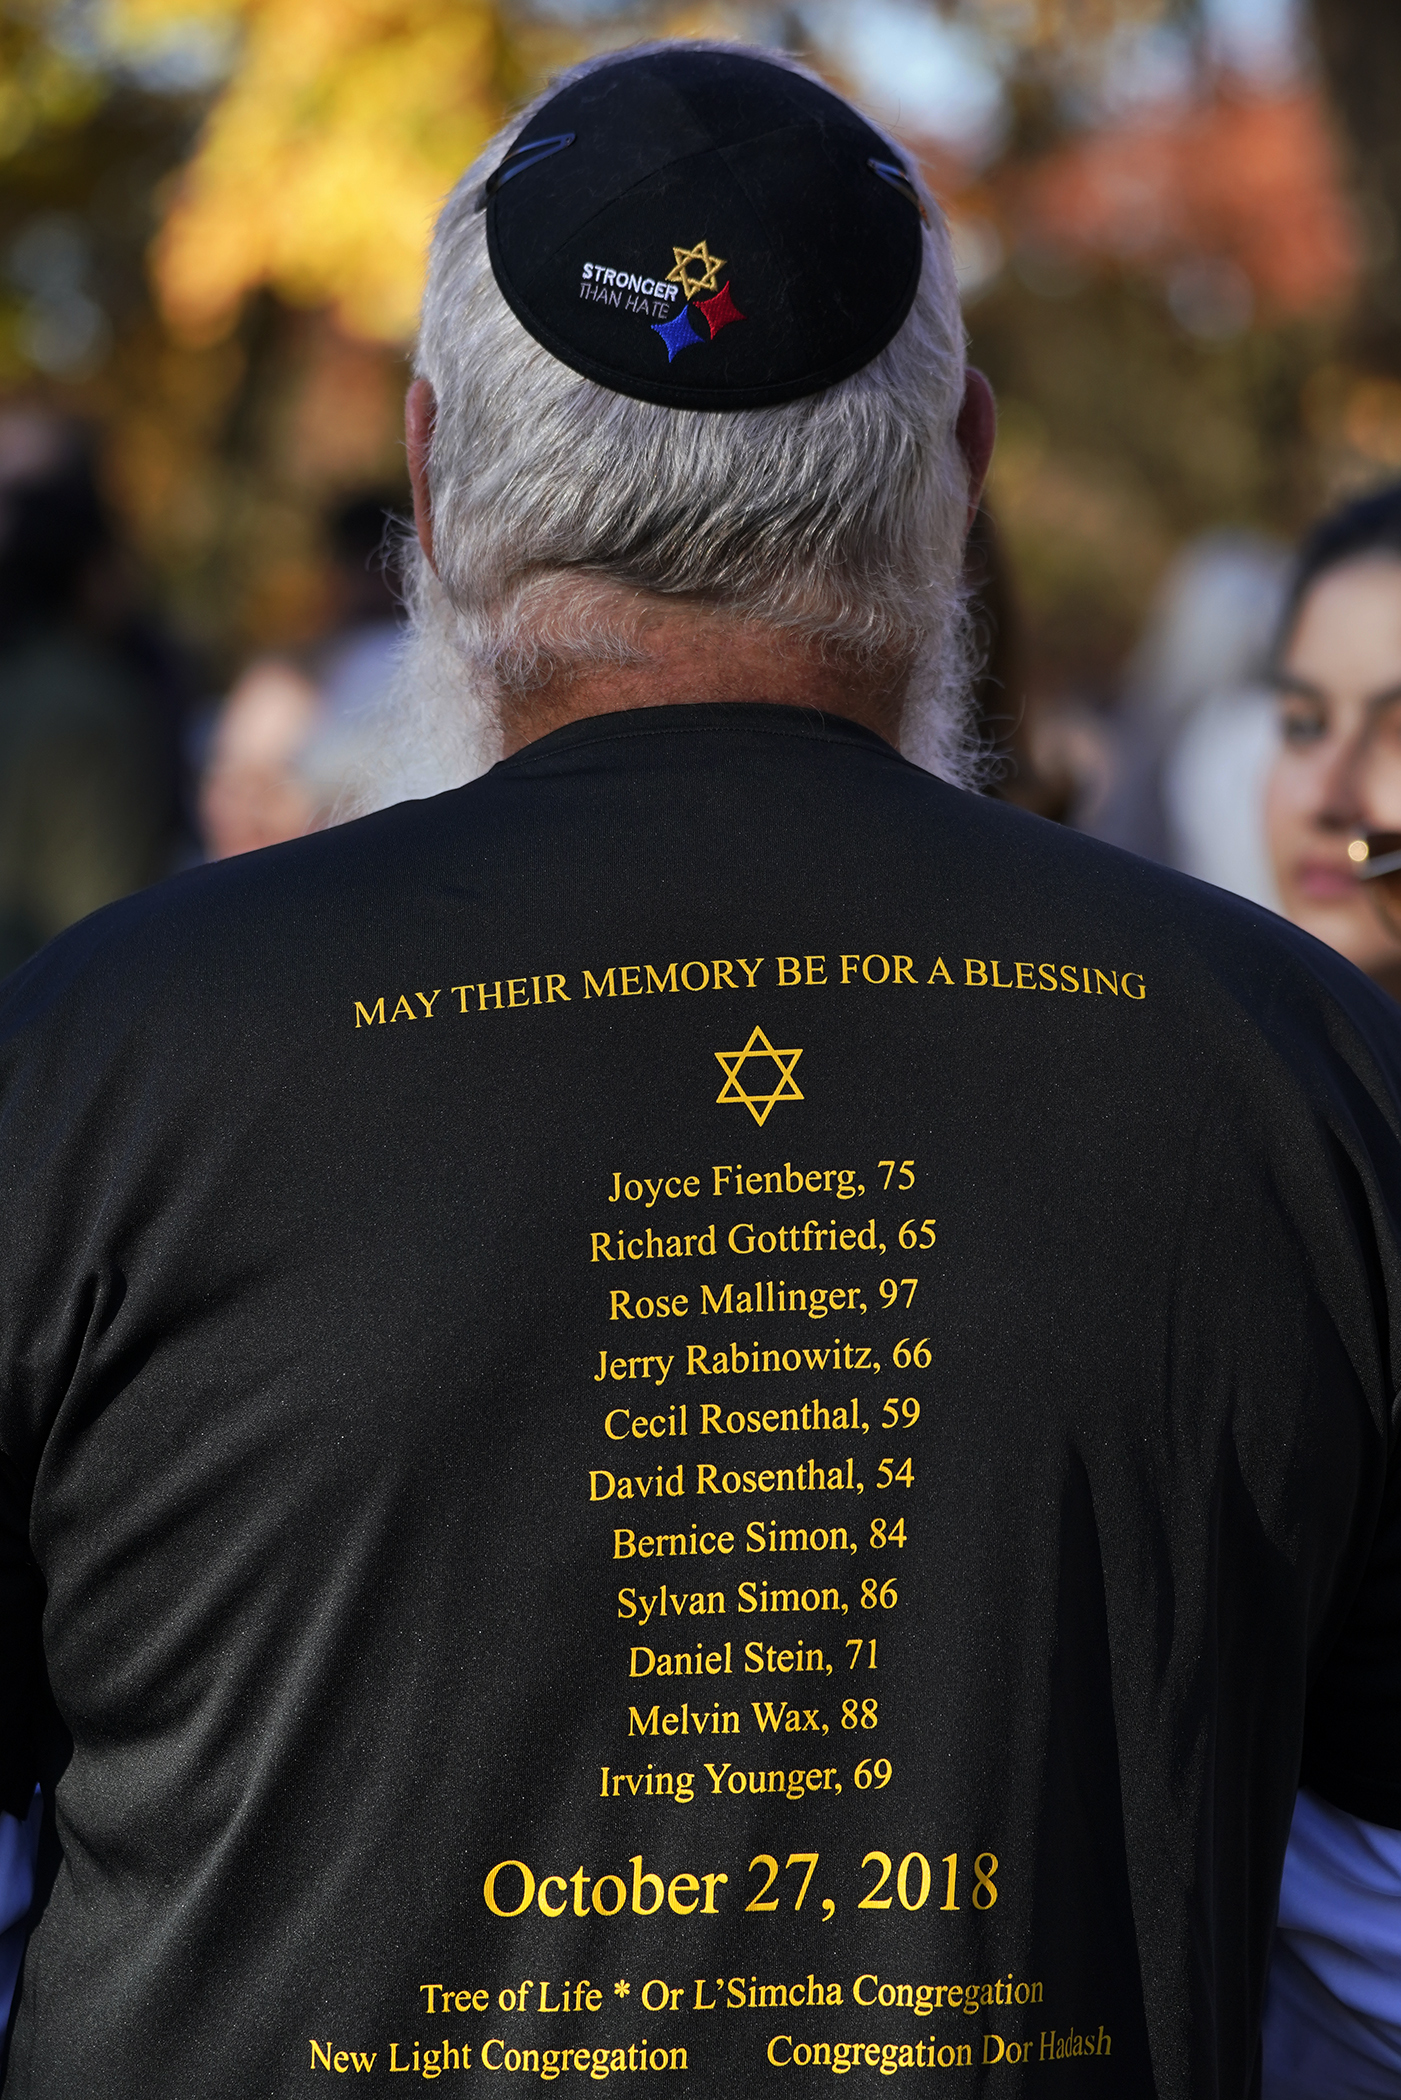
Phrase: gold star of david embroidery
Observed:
(732, 1063)
(700, 259)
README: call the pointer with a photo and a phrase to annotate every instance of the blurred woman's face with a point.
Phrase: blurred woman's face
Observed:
(1339, 684)
(251, 794)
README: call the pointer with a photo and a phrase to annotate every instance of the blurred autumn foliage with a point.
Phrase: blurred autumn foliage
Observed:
(214, 216)
(322, 163)
(1173, 298)
(1246, 180)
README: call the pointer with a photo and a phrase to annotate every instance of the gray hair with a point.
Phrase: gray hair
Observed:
(561, 510)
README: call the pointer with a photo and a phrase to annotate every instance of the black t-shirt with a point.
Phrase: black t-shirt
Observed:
(704, 1414)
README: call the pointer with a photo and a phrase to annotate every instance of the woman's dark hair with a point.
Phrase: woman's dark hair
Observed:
(1370, 525)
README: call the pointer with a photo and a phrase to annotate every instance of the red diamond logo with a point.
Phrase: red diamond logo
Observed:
(719, 311)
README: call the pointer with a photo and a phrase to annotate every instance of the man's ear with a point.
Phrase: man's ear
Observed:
(976, 431)
(420, 412)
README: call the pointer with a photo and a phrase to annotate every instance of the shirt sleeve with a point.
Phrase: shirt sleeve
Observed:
(19, 1842)
(1333, 2004)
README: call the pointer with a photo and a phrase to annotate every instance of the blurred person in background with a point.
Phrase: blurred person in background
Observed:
(292, 735)
(1186, 757)
(1331, 2021)
(90, 698)
(253, 791)
(1337, 672)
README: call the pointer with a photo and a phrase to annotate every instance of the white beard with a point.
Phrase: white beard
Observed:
(438, 725)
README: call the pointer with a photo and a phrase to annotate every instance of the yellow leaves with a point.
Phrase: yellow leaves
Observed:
(41, 86)
(326, 156)
(1057, 22)
(132, 21)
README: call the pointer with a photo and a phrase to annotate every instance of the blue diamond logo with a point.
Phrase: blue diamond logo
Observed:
(679, 334)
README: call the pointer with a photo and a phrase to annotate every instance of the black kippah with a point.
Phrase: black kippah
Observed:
(704, 229)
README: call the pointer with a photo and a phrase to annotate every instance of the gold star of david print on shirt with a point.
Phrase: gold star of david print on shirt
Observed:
(700, 259)
(732, 1063)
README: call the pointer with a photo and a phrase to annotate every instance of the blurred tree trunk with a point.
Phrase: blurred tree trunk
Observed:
(1359, 42)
